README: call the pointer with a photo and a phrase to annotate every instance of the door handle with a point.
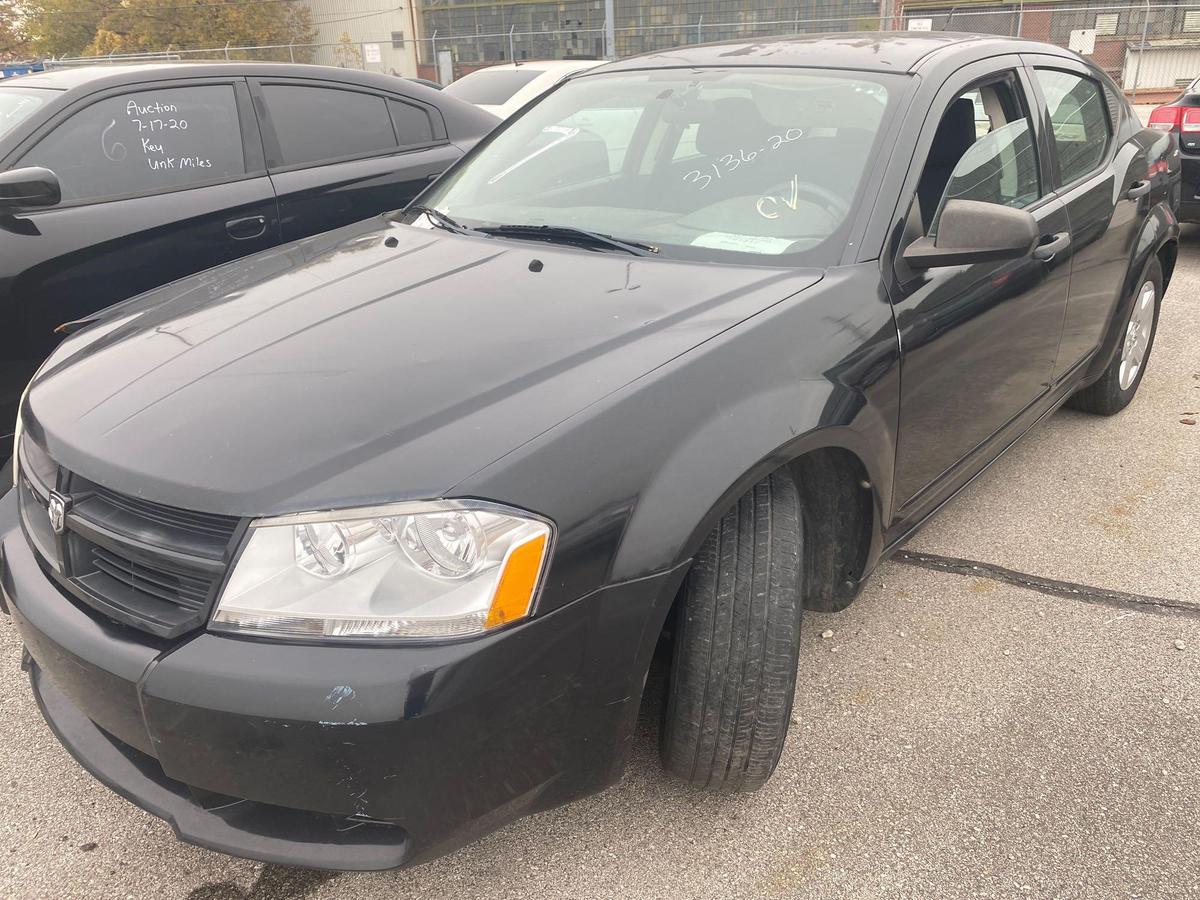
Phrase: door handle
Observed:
(247, 228)
(1138, 189)
(1051, 244)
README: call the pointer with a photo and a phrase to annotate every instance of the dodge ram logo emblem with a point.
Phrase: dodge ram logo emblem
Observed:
(58, 512)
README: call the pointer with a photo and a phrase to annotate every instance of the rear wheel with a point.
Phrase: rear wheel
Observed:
(1116, 387)
(736, 644)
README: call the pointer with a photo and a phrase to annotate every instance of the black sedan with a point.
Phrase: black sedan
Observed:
(350, 552)
(1181, 117)
(116, 179)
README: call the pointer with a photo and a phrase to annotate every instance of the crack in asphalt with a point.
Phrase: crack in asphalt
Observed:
(1085, 593)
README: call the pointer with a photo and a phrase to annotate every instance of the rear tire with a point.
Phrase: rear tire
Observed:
(736, 644)
(1114, 389)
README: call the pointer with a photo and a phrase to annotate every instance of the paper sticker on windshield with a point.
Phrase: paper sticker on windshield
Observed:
(742, 243)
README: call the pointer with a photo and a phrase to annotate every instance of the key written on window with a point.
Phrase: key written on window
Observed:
(160, 128)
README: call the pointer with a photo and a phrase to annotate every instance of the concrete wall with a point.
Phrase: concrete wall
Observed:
(365, 22)
(1161, 67)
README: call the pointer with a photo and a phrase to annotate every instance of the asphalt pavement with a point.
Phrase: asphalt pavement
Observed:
(1012, 708)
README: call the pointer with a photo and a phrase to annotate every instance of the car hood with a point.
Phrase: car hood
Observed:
(379, 361)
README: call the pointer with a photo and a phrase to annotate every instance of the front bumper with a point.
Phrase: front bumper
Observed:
(343, 757)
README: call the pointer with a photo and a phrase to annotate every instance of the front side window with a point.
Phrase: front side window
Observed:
(145, 141)
(983, 150)
(316, 124)
(18, 104)
(756, 165)
(1079, 119)
(1001, 167)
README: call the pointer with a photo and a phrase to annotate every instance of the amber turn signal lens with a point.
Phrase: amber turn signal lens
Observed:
(518, 583)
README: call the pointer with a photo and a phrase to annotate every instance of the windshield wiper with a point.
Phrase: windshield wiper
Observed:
(569, 235)
(441, 219)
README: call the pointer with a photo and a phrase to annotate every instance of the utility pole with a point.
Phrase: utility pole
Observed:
(1137, 67)
(887, 10)
(610, 29)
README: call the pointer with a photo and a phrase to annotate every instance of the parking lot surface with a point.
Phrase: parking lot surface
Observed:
(1012, 708)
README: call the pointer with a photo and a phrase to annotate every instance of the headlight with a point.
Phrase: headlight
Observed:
(16, 463)
(410, 570)
(17, 430)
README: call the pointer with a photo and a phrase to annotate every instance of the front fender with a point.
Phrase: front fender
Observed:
(726, 454)
(635, 481)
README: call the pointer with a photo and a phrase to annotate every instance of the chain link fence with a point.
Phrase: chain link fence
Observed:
(1149, 49)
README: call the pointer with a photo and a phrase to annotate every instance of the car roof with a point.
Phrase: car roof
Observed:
(94, 76)
(876, 51)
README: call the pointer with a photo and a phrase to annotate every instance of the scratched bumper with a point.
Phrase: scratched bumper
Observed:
(338, 756)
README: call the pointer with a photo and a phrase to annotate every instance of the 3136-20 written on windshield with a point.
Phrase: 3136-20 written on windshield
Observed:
(730, 162)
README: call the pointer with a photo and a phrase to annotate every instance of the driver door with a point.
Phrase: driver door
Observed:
(978, 341)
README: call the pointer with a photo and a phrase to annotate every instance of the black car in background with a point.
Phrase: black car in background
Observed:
(1182, 117)
(117, 179)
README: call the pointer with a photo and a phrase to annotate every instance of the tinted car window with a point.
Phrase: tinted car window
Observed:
(147, 140)
(491, 87)
(17, 105)
(412, 124)
(318, 124)
(1080, 121)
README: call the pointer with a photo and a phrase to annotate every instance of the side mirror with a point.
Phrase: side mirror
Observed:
(28, 187)
(972, 232)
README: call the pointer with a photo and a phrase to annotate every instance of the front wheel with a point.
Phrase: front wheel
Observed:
(736, 645)
(1114, 389)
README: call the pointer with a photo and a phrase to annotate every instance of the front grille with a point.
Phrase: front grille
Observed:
(181, 590)
(205, 524)
(154, 567)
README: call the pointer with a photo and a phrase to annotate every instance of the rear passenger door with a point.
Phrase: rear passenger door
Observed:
(1093, 177)
(339, 153)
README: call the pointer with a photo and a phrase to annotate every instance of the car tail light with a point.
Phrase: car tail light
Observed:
(1166, 118)
(1176, 118)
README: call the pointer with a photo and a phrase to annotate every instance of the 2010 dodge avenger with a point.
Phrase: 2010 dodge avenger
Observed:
(345, 553)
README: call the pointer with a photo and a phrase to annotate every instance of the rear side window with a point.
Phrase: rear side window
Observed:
(413, 127)
(491, 87)
(1079, 119)
(145, 141)
(315, 124)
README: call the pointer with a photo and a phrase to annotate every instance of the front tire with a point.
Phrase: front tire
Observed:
(1114, 389)
(737, 643)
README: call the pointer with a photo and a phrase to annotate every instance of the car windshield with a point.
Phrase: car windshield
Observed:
(751, 165)
(18, 104)
(491, 87)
